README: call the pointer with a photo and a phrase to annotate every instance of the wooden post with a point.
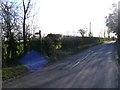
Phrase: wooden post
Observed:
(40, 41)
(39, 33)
(118, 32)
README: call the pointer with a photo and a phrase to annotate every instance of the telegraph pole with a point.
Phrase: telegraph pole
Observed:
(90, 33)
(90, 26)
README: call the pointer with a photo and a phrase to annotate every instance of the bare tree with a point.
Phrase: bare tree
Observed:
(25, 11)
(113, 21)
(9, 29)
(82, 32)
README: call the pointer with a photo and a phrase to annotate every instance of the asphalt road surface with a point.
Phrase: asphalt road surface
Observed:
(95, 67)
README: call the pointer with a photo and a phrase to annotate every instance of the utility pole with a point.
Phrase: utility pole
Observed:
(90, 26)
(90, 33)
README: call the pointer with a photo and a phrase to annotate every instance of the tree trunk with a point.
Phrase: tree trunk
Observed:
(24, 29)
(24, 35)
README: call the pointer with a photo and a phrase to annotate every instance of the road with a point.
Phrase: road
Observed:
(95, 67)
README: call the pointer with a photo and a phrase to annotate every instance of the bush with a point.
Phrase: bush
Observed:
(53, 46)
(49, 44)
(11, 61)
(35, 44)
(72, 42)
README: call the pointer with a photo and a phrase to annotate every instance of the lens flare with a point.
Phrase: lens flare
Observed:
(34, 61)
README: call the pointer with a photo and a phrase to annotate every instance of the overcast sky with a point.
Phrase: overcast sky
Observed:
(68, 16)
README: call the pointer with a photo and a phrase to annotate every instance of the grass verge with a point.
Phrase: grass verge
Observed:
(12, 72)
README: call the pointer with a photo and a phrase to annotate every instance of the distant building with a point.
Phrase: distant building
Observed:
(57, 36)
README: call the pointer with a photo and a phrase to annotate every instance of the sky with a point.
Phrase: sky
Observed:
(68, 16)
